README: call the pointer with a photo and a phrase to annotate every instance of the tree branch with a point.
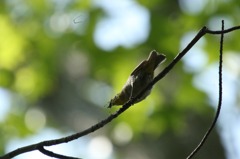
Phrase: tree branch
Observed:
(102, 123)
(55, 155)
(219, 100)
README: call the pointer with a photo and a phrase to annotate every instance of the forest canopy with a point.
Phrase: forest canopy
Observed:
(61, 62)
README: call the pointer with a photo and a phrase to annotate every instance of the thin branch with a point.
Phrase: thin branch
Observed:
(223, 31)
(55, 155)
(219, 100)
(102, 123)
(68, 138)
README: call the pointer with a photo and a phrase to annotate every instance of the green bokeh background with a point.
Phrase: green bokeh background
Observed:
(70, 79)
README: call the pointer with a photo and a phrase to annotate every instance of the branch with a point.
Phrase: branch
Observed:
(102, 123)
(223, 31)
(219, 100)
(68, 138)
(55, 155)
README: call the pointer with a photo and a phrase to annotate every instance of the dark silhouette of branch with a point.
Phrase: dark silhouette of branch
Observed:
(223, 31)
(102, 123)
(68, 138)
(219, 100)
(55, 155)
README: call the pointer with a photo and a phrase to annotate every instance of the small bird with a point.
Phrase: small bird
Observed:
(141, 76)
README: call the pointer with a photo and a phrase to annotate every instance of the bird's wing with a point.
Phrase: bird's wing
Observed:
(139, 68)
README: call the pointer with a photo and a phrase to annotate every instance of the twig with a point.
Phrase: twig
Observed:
(68, 138)
(219, 100)
(97, 126)
(223, 31)
(55, 155)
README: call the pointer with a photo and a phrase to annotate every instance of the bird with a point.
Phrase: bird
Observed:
(140, 77)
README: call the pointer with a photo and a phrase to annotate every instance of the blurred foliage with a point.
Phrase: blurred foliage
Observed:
(49, 62)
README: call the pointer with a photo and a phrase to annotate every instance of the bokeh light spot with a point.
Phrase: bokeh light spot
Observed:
(35, 119)
(122, 133)
(127, 24)
(100, 148)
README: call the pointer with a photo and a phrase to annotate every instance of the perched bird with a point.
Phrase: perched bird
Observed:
(141, 76)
